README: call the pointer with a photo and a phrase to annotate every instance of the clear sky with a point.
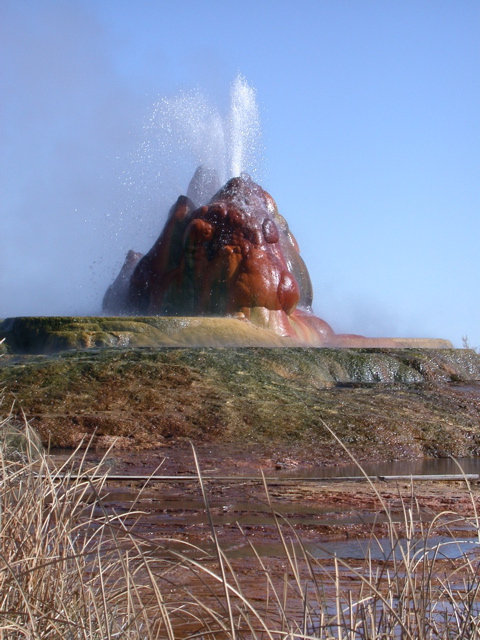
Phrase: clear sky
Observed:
(371, 133)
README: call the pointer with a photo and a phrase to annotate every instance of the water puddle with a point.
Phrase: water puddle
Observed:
(440, 547)
(424, 466)
(378, 550)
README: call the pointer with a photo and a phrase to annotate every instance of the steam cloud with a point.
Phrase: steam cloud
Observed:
(68, 121)
(65, 118)
(75, 197)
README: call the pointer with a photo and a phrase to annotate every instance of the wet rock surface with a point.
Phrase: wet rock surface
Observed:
(230, 254)
(48, 335)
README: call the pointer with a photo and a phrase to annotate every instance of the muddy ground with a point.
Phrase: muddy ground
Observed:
(253, 410)
(274, 536)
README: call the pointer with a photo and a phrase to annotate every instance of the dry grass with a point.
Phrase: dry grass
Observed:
(71, 570)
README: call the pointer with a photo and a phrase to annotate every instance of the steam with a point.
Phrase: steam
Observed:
(181, 133)
(83, 177)
(66, 116)
(244, 129)
(188, 130)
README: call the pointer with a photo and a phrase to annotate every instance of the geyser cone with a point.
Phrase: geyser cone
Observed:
(220, 258)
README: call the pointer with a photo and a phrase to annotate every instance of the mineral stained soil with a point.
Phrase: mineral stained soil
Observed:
(323, 510)
(328, 517)
(382, 404)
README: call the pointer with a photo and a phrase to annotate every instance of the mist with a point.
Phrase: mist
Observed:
(66, 121)
(90, 166)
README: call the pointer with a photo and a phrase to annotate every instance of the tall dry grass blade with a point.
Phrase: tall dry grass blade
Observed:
(216, 543)
(270, 584)
(471, 496)
(218, 578)
(292, 564)
(357, 463)
(338, 608)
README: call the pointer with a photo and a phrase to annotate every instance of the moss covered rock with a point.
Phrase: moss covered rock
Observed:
(53, 334)
(385, 404)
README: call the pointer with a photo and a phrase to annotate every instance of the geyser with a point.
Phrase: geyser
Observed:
(225, 251)
(183, 132)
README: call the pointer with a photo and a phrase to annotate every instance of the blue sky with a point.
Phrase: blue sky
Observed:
(371, 136)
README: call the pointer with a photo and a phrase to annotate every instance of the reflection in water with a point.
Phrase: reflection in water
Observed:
(423, 466)
(440, 547)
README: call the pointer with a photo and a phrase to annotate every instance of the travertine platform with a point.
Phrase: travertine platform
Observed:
(54, 334)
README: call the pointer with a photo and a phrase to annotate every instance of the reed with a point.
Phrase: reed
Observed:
(72, 569)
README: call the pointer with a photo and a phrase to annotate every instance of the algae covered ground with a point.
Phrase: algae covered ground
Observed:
(384, 404)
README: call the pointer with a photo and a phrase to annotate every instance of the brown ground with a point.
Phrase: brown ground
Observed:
(384, 405)
(252, 410)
